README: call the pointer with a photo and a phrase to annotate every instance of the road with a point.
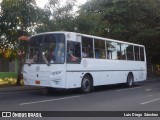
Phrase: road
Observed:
(143, 96)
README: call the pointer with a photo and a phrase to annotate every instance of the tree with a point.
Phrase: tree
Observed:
(18, 18)
(61, 17)
(136, 21)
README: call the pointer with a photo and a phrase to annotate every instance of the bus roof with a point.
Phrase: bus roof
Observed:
(90, 36)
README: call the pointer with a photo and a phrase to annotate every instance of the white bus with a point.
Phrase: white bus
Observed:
(74, 60)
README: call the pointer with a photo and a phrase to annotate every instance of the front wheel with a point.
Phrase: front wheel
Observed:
(130, 80)
(86, 84)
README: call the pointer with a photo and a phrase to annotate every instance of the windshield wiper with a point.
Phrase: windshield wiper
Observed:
(44, 58)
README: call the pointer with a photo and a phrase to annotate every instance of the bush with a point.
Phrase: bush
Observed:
(8, 79)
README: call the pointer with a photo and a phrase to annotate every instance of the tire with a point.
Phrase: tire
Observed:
(130, 80)
(86, 84)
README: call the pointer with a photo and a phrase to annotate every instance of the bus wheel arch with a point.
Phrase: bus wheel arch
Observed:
(130, 79)
(87, 84)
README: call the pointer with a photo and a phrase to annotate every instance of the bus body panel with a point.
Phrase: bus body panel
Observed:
(44, 75)
(105, 72)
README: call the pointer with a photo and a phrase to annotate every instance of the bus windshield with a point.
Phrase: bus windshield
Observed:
(46, 49)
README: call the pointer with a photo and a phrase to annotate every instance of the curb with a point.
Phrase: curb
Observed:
(18, 88)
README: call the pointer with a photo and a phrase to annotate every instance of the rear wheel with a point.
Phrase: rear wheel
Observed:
(86, 84)
(130, 80)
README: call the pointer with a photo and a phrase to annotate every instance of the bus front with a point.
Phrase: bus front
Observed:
(45, 61)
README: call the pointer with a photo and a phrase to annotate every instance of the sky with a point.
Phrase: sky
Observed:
(41, 3)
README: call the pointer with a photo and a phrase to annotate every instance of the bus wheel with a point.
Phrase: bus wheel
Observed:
(130, 80)
(86, 84)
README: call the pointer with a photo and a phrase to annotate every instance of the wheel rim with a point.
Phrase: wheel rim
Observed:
(86, 84)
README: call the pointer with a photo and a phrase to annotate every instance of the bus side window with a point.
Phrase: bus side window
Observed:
(73, 52)
(87, 47)
(111, 50)
(121, 51)
(129, 52)
(100, 52)
(142, 53)
(108, 51)
(136, 53)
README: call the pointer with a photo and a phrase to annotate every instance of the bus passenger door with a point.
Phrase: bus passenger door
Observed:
(73, 64)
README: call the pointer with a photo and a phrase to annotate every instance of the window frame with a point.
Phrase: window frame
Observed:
(85, 47)
(100, 50)
(77, 61)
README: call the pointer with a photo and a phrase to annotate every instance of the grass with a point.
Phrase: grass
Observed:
(8, 79)
(8, 75)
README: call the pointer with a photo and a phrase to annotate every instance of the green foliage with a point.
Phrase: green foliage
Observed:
(61, 17)
(18, 17)
(7, 74)
(136, 21)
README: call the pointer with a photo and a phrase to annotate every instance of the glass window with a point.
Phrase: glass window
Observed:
(53, 47)
(142, 53)
(73, 52)
(121, 51)
(34, 54)
(47, 48)
(99, 49)
(129, 51)
(87, 47)
(111, 50)
(136, 53)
